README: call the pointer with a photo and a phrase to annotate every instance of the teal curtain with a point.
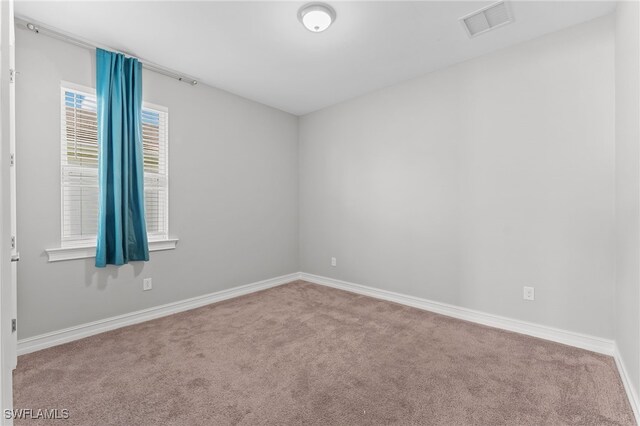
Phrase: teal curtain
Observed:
(122, 231)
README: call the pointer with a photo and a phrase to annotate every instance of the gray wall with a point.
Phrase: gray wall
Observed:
(627, 298)
(469, 183)
(233, 195)
(461, 186)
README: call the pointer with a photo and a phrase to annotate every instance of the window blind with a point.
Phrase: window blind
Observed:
(79, 168)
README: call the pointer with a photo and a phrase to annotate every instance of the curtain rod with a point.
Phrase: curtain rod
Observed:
(42, 29)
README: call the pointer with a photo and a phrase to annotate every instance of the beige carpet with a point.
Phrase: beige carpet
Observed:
(306, 354)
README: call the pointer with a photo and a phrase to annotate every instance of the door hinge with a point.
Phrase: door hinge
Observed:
(14, 325)
(13, 242)
(12, 159)
(12, 75)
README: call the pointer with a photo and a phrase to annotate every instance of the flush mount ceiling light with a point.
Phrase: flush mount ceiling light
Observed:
(316, 17)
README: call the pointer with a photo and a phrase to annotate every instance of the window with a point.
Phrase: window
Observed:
(79, 168)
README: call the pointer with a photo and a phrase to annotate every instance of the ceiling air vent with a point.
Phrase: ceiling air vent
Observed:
(488, 18)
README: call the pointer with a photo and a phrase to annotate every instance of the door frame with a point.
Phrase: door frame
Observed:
(8, 243)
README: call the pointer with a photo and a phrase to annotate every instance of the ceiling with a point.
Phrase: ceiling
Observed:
(259, 50)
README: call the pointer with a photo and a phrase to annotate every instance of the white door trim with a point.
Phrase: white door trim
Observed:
(7, 202)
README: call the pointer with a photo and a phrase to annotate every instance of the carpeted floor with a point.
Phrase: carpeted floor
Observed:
(307, 354)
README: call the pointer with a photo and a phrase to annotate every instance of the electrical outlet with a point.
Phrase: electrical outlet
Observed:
(147, 284)
(528, 293)
(334, 262)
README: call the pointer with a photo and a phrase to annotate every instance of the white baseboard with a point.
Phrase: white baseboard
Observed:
(595, 344)
(54, 338)
(626, 381)
(583, 341)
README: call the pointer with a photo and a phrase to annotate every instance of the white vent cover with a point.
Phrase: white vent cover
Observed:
(488, 18)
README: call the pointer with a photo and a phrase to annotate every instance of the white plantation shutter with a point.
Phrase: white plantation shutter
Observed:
(156, 172)
(79, 168)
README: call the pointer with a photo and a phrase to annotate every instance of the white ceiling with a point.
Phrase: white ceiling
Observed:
(260, 51)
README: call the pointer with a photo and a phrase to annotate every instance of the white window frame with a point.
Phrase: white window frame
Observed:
(85, 248)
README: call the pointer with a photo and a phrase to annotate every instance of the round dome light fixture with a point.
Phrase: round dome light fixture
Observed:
(316, 17)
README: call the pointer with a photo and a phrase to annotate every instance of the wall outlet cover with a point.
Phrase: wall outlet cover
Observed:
(528, 293)
(147, 284)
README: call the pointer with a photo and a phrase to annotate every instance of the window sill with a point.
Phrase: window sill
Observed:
(88, 251)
